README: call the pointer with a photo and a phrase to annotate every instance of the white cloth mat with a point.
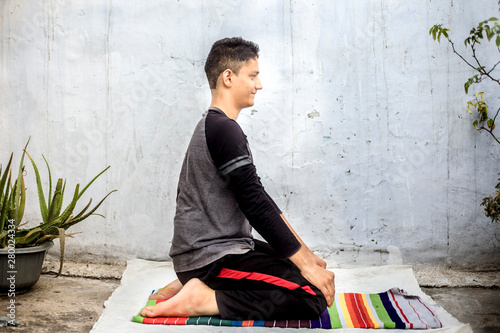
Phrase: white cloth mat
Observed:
(141, 277)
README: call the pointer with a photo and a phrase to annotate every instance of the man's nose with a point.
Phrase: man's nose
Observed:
(258, 84)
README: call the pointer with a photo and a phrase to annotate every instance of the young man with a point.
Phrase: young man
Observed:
(221, 269)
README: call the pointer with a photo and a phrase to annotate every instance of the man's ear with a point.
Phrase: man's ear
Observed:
(226, 77)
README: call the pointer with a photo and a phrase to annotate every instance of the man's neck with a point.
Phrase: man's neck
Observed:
(232, 114)
(228, 108)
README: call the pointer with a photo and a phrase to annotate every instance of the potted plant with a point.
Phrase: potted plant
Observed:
(22, 250)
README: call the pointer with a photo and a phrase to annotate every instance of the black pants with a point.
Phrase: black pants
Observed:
(258, 286)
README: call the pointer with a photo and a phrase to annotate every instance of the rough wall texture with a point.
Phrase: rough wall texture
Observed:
(360, 133)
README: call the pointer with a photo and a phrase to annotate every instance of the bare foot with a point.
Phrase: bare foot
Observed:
(194, 299)
(167, 292)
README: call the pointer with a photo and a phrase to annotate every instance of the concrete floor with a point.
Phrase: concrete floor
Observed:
(74, 304)
(480, 307)
(63, 304)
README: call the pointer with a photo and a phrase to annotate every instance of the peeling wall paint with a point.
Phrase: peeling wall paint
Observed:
(360, 134)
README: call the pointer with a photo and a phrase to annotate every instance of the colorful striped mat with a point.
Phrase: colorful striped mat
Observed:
(391, 309)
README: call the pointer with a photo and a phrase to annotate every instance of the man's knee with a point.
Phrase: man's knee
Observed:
(317, 305)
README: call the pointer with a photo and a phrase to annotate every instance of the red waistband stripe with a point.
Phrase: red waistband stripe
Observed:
(227, 273)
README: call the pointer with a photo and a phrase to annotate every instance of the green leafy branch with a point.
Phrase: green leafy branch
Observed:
(486, 30)
(492, 204)
(484, 122)
(489, 29)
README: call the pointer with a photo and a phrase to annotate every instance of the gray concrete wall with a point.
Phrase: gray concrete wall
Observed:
(360, 134)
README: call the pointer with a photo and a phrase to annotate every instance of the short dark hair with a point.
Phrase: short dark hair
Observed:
(228, 53)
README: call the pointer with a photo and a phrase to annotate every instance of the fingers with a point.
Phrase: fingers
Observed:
(322, 279)
(328, 289)
(329, 299)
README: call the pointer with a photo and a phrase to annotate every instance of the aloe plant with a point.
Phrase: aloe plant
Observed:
(12, 201)
(55, 219)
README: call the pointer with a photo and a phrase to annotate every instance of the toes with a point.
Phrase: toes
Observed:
(157, 296)
(147, 311)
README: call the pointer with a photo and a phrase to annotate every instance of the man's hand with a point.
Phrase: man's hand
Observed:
(313, 269)
(323, 279)
(320, 262)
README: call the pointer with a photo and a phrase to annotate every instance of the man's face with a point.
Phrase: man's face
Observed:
(246, 83)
